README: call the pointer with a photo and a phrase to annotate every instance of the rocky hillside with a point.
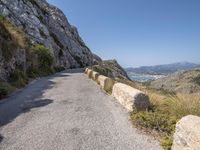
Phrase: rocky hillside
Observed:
(111, 68)
(184, 81)
(31, 28)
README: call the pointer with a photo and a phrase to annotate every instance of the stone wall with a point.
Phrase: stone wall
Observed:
(130, 98)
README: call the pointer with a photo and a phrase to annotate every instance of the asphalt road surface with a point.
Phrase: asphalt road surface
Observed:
(67, 111)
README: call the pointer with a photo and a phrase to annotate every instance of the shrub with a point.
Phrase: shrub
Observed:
(18, 78)
(155, 120)
(197, 80)
(3, 92)
(167, 142)
(5, 89)
(44, 60)
(32, 72)
(102, 70)
(59, 69)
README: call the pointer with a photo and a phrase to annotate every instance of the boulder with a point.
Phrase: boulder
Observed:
(187, 134)
(106, 83)
(132, 99)
(95, 75)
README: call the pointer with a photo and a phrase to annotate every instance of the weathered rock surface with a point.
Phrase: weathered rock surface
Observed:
(45, 24)
(130, 98)
(187, 135)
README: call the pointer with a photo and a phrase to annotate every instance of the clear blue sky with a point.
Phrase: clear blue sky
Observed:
(137, 32)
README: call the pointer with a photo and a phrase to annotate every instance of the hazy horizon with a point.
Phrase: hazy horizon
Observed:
(162, 64)
(137, 32)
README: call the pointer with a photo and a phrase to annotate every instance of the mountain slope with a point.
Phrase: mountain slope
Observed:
(111, 68)
(163, 69)
(46, 25)
(184, 81)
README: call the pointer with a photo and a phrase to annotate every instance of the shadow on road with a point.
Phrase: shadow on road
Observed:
(34, 104)
(30, 97)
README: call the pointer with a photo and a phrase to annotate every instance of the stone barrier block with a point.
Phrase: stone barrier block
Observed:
(131, 98)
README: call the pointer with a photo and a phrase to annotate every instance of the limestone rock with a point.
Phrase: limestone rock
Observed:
(130, 98)
(46, 24)
(187, 135)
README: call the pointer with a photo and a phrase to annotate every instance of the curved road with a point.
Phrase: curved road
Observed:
(67, 111)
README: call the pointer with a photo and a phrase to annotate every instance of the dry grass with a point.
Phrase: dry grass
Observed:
(17, 34)
(182, 105)
(165, 110)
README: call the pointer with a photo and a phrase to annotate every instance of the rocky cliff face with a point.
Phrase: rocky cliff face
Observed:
(47, 25)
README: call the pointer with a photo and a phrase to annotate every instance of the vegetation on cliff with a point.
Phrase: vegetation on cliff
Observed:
(38, 59)
(110, 68)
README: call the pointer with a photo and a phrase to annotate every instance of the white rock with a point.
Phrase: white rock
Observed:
(130, 98)
(187, 135)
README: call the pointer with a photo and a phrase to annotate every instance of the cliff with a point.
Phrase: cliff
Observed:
(27, 25)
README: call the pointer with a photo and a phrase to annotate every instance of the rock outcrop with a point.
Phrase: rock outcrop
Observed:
(187, 135)
(110, 68)
(47, 25)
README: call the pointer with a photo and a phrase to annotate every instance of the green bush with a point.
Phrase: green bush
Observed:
(102, 70)
(3, 92)
(44, 59)
(32, 72)
(197, 80)
(167, 142)
(155, 120)
(18, 78)
(5, 89)
(59, 69)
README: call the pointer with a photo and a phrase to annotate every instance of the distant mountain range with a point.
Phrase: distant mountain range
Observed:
(163, 69)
